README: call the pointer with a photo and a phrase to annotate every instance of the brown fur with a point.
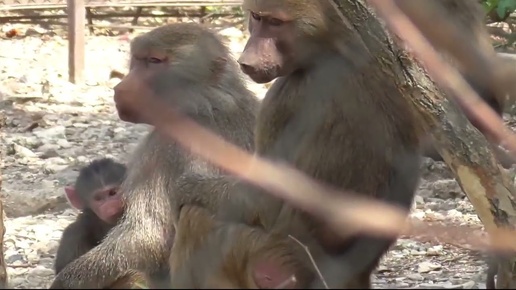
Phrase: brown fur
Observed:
(343, 124)
(492, 271)
(132, 280)
(339, 121)
(88, 230)
(189, 68)
(226, 257)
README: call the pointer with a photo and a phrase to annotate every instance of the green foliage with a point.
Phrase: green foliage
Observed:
(237, 10)
(502, 7)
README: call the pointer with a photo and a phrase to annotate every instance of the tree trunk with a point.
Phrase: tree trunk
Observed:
(462, 146)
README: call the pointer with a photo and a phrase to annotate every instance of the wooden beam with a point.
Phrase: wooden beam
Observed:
(76, 44)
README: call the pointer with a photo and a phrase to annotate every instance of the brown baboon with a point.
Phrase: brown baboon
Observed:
(190, 69)
(96, 194)
(338, 119)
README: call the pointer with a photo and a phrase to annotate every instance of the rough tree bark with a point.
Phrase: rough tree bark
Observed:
(462, 146)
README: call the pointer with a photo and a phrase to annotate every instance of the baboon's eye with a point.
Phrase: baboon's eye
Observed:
(256, 16)
(275, 22)
(154, 60)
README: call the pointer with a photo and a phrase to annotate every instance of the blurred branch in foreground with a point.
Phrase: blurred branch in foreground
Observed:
(479, 61)
(345, 212)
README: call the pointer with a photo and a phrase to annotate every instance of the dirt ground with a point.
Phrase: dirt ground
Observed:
(52, 127)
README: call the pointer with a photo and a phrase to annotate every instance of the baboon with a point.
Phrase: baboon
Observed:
(96, 194)
(190, 69)
(339, 120)
(131, 280)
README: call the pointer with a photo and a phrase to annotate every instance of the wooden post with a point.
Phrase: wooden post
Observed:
(76, 31)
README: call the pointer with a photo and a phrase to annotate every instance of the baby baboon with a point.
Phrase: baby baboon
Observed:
(96, 194)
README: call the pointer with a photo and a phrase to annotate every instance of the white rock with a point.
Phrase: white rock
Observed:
(51, 133)
(425, 267)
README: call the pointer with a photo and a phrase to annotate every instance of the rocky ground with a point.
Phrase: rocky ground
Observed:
(52, 127)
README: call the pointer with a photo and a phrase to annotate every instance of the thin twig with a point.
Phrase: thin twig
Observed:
(311, 260)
